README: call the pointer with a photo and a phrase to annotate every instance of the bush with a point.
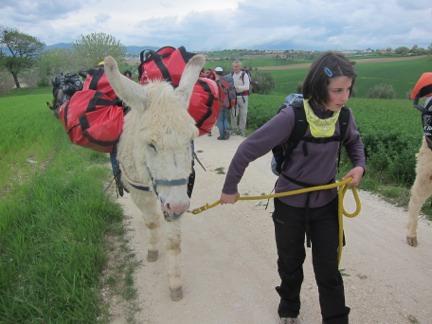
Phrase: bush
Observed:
(383, 91)
(262, 82)
(391, 155)
(6, 82)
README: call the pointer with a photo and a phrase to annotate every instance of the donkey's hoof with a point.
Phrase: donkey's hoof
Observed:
(152, 256)
(176, 294)
(412, 241)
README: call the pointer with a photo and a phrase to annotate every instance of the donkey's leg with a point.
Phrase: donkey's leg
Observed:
(174, 259)
(148, 204)
(420, 191)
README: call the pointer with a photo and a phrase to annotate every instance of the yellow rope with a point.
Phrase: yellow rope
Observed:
(342, 185)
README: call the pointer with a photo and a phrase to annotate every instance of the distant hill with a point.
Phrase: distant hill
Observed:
(136, 50)
(58, 45)
(131, 50)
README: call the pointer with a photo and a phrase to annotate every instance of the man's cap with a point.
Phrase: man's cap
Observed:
(218, 69)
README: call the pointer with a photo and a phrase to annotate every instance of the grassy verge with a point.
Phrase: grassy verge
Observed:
(54, 220)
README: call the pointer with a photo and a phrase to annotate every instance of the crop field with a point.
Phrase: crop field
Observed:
(402, 75)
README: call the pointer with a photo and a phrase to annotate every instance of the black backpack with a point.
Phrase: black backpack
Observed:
(64, 86)
(282, 152)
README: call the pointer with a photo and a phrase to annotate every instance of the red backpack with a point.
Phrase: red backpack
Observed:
(204, 104)
(93, 117)
(168, 63)
(96, 79)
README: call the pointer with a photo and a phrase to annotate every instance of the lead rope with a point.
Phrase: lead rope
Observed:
(342, 188)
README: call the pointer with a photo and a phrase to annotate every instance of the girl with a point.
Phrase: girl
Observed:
(326, 89)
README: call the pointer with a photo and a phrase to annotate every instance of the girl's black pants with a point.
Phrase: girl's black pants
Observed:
(290, 228)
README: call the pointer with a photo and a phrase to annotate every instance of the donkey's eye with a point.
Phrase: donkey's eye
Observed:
(153, 147)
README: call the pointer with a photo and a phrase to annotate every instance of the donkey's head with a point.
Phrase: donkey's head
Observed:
(164, 131)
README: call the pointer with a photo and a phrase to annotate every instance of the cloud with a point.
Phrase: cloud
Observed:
(36, 11)
(210, 25)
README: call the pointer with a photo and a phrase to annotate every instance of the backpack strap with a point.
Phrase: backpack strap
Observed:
(300, 127)
(343, 120)
(96, 76)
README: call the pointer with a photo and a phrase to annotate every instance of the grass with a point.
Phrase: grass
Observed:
(54, 217)
(402, 75)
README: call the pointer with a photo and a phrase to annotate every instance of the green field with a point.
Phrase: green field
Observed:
(402, 75)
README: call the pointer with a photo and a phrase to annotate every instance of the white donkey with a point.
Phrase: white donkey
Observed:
(422, 187)
(155, 155)
(420, 190)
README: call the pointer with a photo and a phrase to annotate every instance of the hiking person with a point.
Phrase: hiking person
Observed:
(227, 101)
(326, 90)
(239, 113)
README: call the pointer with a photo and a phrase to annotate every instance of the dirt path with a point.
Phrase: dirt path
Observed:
(359, 61)
(229, 258)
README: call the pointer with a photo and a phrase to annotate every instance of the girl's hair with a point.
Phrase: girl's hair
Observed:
(327, 66)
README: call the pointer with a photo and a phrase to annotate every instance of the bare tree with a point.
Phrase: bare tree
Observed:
(19, 51)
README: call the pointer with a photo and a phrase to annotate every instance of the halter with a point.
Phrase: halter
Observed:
(154, 182)
(426, 118)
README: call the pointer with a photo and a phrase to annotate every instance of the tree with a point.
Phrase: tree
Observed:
(19, 51)
(92, 48)
(403, 50)
(55, 61)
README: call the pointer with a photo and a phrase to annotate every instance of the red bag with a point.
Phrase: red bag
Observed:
(204, 104)
(92, 119)
(97, 80)
(168, 63)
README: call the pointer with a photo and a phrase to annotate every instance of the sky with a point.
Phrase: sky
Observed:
(228, 24)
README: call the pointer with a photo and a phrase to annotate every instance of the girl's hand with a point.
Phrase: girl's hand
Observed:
(229, 199)
(356, 174)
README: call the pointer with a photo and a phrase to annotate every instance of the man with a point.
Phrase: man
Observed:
(242, 84)
(222, 122)
(227, 99)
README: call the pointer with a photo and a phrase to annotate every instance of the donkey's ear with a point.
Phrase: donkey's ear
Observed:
(190, 76)
(127, 90)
